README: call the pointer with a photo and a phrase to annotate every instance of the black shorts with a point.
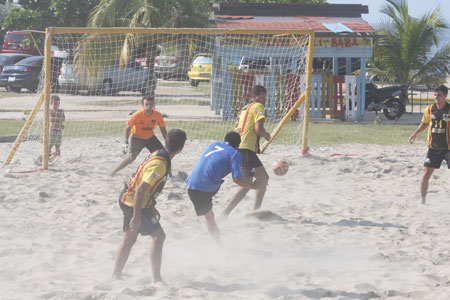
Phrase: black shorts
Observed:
(202, 201)
(152, 144)
(435, 158)
(250, 161)
(149, 219)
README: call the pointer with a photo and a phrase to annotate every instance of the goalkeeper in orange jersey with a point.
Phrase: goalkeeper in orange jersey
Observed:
(137, 202)
(141, 127)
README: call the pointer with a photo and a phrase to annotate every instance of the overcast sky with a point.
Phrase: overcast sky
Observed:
(416, 7)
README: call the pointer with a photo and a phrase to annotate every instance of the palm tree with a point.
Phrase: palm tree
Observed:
(139, 13)
(402, 54)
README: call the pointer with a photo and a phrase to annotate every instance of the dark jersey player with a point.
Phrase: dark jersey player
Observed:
(436, 118)
(218, 160)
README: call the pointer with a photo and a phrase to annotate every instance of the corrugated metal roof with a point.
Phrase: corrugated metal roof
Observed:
(356, 26)
(337, 17)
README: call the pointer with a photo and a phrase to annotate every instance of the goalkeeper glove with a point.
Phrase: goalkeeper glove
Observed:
(125, 147)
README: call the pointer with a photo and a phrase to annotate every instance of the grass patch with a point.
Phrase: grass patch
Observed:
(172, 83)
(343, 133)
(137, 102)
(10, 127)
(12, 94)
(113, 102)
(319, 133)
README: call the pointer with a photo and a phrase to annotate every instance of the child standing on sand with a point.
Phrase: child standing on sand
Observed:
(57, 119)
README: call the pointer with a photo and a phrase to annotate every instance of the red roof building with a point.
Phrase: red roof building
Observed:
(343, 39)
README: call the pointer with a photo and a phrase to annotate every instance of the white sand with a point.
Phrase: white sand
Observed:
(352, 228)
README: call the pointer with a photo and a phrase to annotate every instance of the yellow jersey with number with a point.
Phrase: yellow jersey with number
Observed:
(154, 172)
(251, 114)
(439, 129)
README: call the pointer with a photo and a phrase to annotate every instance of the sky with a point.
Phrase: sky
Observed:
(416, 7)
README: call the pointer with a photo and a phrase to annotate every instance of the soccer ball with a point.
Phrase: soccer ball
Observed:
(280, 167)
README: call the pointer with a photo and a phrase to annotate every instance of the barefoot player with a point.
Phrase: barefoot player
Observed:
(137, 202)
(436, 118)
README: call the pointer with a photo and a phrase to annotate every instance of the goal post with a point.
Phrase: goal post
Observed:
(200, 79)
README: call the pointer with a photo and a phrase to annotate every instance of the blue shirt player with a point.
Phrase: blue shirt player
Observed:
(218, 160)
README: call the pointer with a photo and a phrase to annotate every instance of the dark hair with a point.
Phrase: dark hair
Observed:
(148, 98)
(442, 88)
(55, 98)
(258, 90)
(233, 138)
(175, 140)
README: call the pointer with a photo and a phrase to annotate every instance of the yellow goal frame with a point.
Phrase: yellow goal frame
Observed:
(45, 96)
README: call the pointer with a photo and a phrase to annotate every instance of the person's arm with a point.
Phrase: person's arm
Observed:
(260, 130)
(243, 183)
(135, 222)
(127, 134)
(163, 131)
(419, 129)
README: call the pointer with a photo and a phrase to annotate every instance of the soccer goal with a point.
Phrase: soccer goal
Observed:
(200, 79)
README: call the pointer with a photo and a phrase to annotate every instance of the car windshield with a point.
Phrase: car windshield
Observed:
(33, 61)
(3, 59)
(255, 61)
(14, 37)
(202, 60)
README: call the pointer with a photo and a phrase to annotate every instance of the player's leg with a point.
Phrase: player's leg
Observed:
(128, 240)
(260, 176)
(237, 197)
(212, 227)
(427, 172)
(151, 226)
(156, 248)
(433, 161)
(136, 146)
(203, 207)
(247, 171)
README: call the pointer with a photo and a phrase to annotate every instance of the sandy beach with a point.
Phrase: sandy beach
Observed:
(345, 223)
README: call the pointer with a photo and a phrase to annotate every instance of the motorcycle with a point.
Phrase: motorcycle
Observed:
(391, 99)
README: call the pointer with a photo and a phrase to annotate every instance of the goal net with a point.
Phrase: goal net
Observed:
(200, 80)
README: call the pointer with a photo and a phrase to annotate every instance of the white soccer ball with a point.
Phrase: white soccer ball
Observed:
(8, 171)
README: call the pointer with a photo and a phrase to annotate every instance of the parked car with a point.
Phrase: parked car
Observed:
(57, 52)
(169, 66)
(10, 59)
(200, 69)
(13, 43)
(254, 64)
(113, 79)
(27, 73)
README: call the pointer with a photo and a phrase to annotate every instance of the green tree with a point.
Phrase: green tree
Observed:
(142, 13)
(150, 13)
(402, 54)
(38, 15)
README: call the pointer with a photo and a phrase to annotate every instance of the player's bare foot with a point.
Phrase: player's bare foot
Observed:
(159, 283)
